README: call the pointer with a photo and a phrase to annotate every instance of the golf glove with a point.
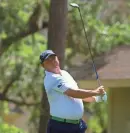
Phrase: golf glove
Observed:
(101, 98)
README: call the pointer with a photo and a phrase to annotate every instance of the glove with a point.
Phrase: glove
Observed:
(101, 98)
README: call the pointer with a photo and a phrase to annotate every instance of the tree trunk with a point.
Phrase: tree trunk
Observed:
(44, 113)
(57, 28)
(56, 42)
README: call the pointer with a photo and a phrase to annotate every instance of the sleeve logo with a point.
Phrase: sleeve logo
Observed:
(59, 85)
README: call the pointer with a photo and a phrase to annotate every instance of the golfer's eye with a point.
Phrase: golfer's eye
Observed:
(51, 58)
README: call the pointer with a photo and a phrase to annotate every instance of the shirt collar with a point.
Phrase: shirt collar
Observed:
(48, 73)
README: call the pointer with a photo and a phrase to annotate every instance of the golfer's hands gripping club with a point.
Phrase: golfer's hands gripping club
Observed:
(100, 90)
(102, 94)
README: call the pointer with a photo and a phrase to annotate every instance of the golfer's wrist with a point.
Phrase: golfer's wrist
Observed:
(96, 93)
(94, 97)
(97, 98)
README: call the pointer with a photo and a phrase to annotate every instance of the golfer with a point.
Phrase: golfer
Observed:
(65, 97)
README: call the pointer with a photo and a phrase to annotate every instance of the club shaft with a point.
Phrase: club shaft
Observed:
(94, 66)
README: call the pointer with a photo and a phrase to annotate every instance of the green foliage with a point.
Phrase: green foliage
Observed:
(108, 36)
(5, 128)
(4, 107)
(102, 36)
(23, 62)
(20, 63)
(14, 16)
(98, 121)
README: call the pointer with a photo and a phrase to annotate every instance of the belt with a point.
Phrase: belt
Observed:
(65, 120)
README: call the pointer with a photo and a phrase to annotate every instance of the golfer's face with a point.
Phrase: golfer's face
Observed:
(52, 62)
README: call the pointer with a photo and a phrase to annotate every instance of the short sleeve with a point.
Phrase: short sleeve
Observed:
(56, 83)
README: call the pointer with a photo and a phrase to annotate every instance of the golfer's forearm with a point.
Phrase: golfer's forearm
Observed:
(85, 93)
(80, 93)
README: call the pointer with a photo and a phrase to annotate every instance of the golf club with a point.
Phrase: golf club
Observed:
(94, 66)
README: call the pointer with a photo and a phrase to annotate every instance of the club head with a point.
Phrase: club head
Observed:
(74, 5)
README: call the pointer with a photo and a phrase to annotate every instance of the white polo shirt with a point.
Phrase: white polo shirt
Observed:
(62, 105)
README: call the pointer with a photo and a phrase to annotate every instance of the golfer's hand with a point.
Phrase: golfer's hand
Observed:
(100, 90)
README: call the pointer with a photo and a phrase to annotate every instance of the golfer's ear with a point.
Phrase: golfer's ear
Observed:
(41, 65)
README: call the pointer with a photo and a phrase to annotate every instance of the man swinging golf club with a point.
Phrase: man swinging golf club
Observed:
(65, 97)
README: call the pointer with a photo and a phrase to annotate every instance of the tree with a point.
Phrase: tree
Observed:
(56, 42)
(57, 28)
(20, 26)
(19, 40)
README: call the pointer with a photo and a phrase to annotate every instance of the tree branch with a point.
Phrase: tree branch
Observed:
(5, 90)
(32, 27)
(20, 103)
(14, 77)
(6, 43)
